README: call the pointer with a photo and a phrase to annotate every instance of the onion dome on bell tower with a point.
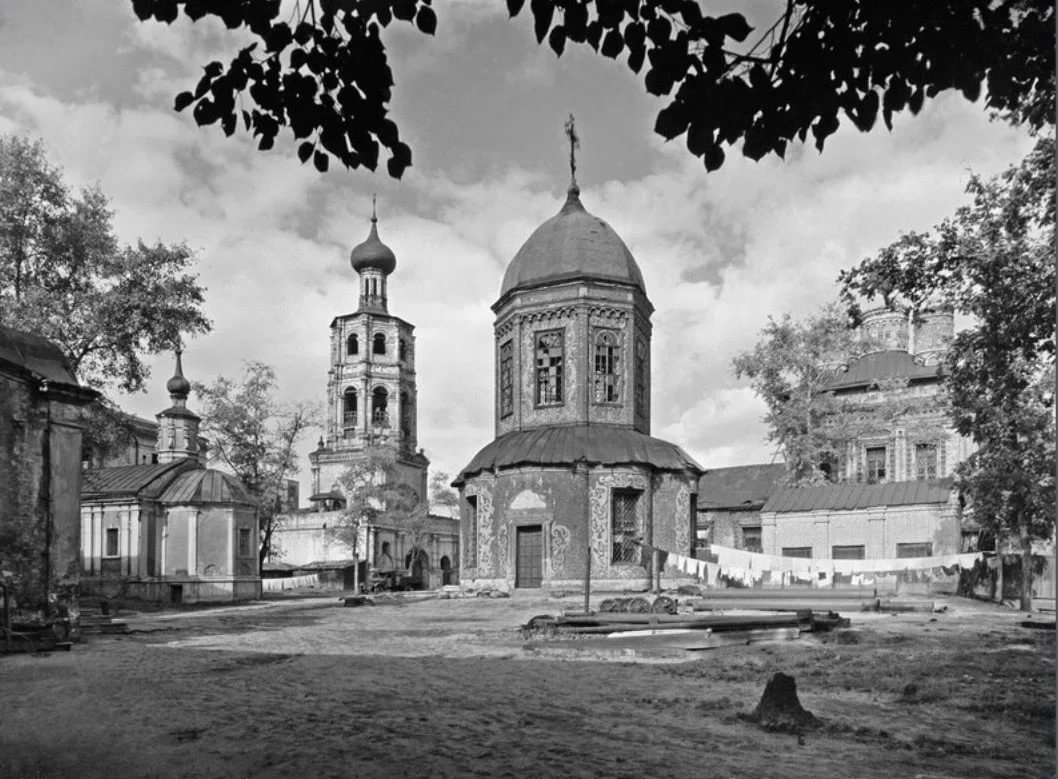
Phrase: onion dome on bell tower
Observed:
(178, 425)
(373, 261)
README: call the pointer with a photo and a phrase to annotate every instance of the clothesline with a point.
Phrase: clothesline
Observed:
(751, 567)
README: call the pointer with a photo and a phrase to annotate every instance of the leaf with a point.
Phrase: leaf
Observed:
(672, 121)
(557, 40)
(143, 9)
(514, 7)
(734, 26)
(714, 157)
(321, 161)
(426, 20)
(305, 151)
(182, 101)
(543, 13)
(404, 10)
(613, 44)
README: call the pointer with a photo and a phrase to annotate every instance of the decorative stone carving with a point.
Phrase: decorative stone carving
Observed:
(559, 545)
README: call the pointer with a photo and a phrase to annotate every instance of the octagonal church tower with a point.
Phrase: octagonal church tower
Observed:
(573, 471)
(371, 393)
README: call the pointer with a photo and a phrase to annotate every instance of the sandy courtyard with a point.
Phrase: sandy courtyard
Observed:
(449, 688)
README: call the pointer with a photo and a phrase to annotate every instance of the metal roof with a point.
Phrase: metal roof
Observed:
(572, 244)
(567, 445)
(871, 368)
(129, 479)
(36, 354)
(205, 486)
(739, 487)
(849, 496)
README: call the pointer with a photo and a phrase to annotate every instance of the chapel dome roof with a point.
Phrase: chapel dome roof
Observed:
(572, 244)
(372, 253)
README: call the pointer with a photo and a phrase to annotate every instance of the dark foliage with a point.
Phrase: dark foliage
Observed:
(323, 72)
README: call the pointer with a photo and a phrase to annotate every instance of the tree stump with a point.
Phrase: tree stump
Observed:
(779, 707)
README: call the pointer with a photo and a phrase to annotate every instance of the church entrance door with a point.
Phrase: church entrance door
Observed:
(529, 571)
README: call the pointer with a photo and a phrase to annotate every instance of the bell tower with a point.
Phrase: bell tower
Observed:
(371, 387)
(177, 425)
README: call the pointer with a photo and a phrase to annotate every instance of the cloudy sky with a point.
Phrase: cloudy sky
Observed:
(482, 107)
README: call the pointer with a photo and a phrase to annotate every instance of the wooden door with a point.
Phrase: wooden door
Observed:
(529, 571)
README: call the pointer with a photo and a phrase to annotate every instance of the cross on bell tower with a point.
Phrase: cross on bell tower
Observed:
(574, 144)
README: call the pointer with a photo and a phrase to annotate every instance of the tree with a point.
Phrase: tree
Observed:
(376, 497)
(322, 70)
(441, 494)
(64, 275)
(254, 436)
(993, 261)
(791, 369)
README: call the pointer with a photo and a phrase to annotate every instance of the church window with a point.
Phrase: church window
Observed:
(352, 344)
(641, 376)
(926, 462)
(379, 401)
(624, 531)
(752, 540)
(876, 464)
(244, 542)
(550, 350)
(112, 542)
(349, 407)
(607, 378)
(506, 379)
(405, 415)
(903, 551)
(402, 349)
(378, 345)
(847, 552)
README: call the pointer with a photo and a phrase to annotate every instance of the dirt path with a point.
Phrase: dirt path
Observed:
(449, 689)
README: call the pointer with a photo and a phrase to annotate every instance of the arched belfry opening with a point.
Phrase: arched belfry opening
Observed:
(380, 407)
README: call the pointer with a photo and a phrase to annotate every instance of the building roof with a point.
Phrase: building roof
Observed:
(739, 487)
(36, 354)
(573, 244)
(893, 363)
(372, 253)
(850, 496)
(205, 486)
(569, 444)
(129, 479)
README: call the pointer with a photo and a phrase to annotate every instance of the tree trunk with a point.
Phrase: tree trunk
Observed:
(1026, 568)
(999, 568)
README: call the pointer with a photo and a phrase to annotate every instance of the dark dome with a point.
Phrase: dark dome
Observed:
(178, 385)
(565, 445)
(372, 253)
(572, 244)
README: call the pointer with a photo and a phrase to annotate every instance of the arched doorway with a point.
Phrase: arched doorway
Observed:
(379, 407)
(446, 571)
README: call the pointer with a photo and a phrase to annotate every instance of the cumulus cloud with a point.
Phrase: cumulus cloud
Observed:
(719, 252)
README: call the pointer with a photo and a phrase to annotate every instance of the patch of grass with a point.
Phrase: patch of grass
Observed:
(925, 691)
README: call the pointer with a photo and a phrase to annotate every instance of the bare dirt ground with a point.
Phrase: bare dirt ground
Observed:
(449, 688)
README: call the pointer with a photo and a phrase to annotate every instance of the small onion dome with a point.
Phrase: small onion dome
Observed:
(372, 253)
(573, 244)
(178, 386)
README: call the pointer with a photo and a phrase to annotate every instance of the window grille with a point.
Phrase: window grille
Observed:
(641, 378)
(606, 368)
(244, 542)
(624, 529)
(914, 550)
(925, 462)
(506, 379)
(752, 540)
(876, 464)
(550, 350)
(112, 542)
(847, 552)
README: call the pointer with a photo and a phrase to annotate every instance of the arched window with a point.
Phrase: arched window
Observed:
(550, 349)
(349, 407)
(506, 379)
(352, 344)
(379, 402)
(607, 378)
(402, 349)
(378, 345)
(405, 415)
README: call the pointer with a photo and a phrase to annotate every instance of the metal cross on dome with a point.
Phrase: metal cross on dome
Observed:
(374, 212)
(574, 144)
